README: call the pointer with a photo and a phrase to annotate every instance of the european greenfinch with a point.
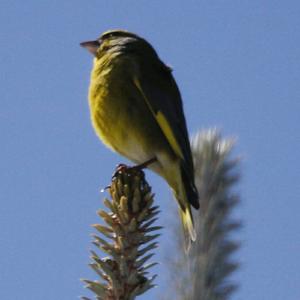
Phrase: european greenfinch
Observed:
(136, 110)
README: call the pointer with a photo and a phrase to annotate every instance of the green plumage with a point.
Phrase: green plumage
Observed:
(136, 110)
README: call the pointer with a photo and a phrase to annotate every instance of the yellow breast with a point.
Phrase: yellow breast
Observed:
(103, 114)
(115, 116)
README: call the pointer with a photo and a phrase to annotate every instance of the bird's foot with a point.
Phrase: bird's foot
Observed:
(134, 169)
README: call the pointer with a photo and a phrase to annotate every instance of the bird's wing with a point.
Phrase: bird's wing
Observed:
(162, 96)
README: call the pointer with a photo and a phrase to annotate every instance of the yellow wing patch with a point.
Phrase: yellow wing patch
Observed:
(163, 123)
(167, 130)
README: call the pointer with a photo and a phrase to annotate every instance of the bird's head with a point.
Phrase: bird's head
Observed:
(117, 41)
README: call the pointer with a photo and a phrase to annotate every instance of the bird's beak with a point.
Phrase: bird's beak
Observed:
(91, 46)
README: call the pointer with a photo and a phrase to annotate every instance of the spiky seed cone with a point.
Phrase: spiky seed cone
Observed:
(205, 273)
(216, 177)
(127, 238)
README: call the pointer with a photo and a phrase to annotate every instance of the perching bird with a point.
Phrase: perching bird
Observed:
(136, 110)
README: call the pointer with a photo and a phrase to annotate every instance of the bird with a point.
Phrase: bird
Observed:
(137, 111)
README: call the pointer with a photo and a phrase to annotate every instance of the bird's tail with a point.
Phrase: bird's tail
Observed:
(186, 194)
(188, 227)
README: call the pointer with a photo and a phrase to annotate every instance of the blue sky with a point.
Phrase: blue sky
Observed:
(237, 64)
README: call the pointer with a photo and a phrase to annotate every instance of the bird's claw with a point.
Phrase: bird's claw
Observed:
(121, 168)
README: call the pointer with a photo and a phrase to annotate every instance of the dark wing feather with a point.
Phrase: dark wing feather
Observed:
(162, 95)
